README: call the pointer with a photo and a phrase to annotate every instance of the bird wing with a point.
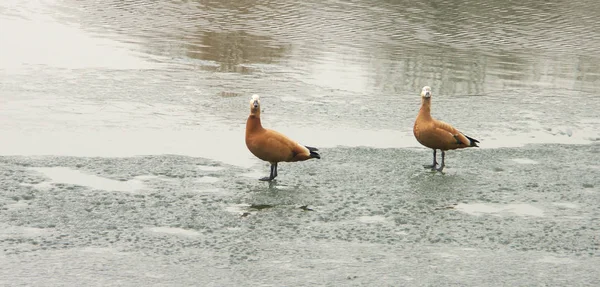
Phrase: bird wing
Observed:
(457, 135)
(277, 147)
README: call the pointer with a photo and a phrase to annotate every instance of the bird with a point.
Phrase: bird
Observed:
(436, 134)
(272, 146)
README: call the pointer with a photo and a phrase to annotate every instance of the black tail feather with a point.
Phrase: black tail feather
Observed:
(473, 141)
(311, 148)
(313, 152)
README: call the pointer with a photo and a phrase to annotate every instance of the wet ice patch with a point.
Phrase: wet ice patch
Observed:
(283, 187)
(566, 205)
(209, 168)
(147, 177)
(175, 231)
(102, 250)
(447, 256)
(17, 205)
(237, 208)
(39, 186)
(372, 219)
(245, 209)
(207, 179)
(255, 174)
(524, 161)
(66, 175)
(240, 209)
(9, 231)
(589, 191)
(520, 209)
(156, 177)
(211, 190)
(555, 260)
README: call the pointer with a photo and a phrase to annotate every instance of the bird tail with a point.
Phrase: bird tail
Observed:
(313, 152)
(473, 141)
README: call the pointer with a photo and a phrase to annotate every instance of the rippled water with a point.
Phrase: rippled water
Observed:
(154, 77)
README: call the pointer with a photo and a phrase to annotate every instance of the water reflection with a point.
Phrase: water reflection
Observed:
(231, 50)
(379, 48)
(340, 68)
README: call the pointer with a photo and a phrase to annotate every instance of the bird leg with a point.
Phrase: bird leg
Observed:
(443, 162)
(273, 173)
(434, 161)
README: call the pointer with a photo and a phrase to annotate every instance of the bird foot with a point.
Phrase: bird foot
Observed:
(266, 178)
(439, 168)
(430, 166)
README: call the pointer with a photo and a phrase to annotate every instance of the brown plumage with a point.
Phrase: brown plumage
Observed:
(436, 134)
(270, 145)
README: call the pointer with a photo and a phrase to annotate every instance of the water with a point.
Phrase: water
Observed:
(88, 87)
(74, 177)
(141, 77)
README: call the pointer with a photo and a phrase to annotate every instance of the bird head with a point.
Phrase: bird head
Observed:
(255, 104)
(426, 92)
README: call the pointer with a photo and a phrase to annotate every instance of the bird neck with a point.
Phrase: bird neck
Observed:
(425, 108)
(253, 122)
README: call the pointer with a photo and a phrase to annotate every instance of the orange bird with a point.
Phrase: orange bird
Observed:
(436, 134)
(270, 145)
